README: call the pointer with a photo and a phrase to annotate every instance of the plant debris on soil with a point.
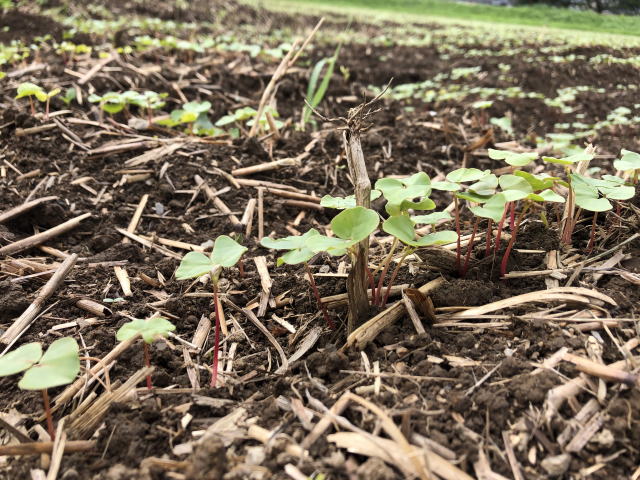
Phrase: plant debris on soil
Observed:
(536, 386)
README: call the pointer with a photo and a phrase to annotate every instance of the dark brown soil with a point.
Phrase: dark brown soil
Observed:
(433, 384)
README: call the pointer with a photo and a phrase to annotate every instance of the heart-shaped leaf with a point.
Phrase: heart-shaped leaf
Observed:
(493, 208)
(332, 245)
(226, 251)
(347, 202)
(629, 161)
(20, 359)
(537, 182)
(432, 218)
(551, 196)
(355, 224)
(298, 252)
(149, 329)
(485, 186)
(194, 264)
(512, 158)
(464, 175)
(58, 366)
(514, 182)
(593, 204)
(400, 193)
(570, 160)
(402, 228)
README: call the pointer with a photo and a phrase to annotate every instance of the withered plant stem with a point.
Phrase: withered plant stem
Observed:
(316, 294)
(47, 412)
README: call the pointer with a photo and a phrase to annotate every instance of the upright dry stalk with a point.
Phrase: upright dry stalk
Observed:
(357, 280)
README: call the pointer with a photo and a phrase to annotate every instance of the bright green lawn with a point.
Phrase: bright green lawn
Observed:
(541, 16)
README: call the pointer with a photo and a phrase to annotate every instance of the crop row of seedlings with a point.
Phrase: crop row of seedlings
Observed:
(563, 193)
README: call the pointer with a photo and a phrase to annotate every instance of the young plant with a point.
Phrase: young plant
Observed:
(110, 102)
(400, 194)
(350, 226)
(150, 330)
(193, 114)
(247, 116)
(59, 365)
(403, 228)
(31, 90)
(315, 92)
(479, 192)
(593, 195)
(149, 101)
(225, 254)
(299, 252)
(630, 162)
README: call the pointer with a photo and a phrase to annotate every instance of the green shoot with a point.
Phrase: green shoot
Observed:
(31, 90)
(315, 92)
(630, 161)
(59, 365)
(226, 253)
(298, 252)
(150, 330)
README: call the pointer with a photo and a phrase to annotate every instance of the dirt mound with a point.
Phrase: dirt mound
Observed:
(18, 25)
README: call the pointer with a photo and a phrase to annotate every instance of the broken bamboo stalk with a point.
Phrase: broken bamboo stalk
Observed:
(29, 315)
(368, 331)
(37, 448)
(265, 167)
(217, 201)
(42, 237)
(25, 207)
(137, 215)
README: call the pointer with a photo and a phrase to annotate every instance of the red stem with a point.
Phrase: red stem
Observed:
(487, 249)
(393, 277)
(455, 201)
(512, 241)
(512, 217)
(46, 113)
(316, 293)
(500, 227)
(216, 338)
(469, 249)
(33, 109)
(47, 411)
(592, 237)
(372, 283)
(147, 363)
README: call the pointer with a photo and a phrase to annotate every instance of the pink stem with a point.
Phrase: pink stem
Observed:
(487, 249)
(512, 241)
(458, 263)
(500, 227)
(47, 411)
(316, 293)
(469, 249)
(216, 339)
(393, 277)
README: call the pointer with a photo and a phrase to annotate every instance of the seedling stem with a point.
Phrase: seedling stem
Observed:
(316, 293)
(47, 411)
